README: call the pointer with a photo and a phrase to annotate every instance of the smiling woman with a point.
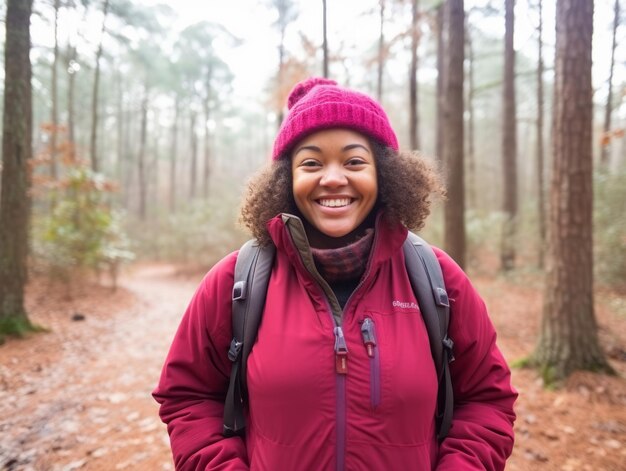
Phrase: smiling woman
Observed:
(334, 184)
(341, 375)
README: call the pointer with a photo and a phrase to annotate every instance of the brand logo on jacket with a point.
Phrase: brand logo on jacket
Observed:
(402, 305)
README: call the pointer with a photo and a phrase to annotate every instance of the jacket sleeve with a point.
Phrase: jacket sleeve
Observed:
(194, 379)
(481, 436)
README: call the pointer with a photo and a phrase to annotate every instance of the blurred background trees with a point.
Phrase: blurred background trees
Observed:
(148, 118)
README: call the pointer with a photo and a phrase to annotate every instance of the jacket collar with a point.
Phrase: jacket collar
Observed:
(288, 234)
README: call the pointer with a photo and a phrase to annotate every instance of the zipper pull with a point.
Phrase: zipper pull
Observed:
(369, 336)
(341, 352)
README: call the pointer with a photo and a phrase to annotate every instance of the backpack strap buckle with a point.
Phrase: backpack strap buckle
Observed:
(441, 297)
(235, 349)
(448, 346)
(239, 290)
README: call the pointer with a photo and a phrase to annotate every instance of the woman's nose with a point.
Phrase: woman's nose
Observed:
(334, 175)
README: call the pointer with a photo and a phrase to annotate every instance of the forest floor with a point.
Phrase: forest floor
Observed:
(78, 396)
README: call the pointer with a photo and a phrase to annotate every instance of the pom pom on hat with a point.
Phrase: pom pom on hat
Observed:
(302, 88)
(319, 103)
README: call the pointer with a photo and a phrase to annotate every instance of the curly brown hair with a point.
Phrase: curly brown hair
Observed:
(406, 185)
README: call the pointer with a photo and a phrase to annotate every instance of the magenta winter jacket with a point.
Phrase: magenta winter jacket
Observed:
(304, 415)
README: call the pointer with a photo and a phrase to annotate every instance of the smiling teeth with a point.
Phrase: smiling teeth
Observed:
(335, 203)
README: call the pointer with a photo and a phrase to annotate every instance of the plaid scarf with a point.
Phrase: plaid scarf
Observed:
(344, 263)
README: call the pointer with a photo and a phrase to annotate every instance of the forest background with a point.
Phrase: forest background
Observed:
(149, 117)
(186, 110)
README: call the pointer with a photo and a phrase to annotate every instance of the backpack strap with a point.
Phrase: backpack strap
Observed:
(429, 288)
(252, 273)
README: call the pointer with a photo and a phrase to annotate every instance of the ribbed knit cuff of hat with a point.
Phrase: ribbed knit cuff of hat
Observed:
(318, 103)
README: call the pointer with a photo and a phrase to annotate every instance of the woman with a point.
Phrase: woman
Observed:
(336, 202)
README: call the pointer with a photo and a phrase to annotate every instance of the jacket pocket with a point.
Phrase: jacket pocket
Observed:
(368, 333)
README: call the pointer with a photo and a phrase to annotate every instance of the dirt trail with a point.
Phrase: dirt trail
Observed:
(87, 405)
(78, 397)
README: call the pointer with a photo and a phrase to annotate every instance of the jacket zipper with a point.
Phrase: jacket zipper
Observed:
(341, 350)
(341, 369)
(368, 332)
(341, 366)
(341, 375)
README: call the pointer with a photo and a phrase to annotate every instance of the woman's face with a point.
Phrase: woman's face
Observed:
(334, 180)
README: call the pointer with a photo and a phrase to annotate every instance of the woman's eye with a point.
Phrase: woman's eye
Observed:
(309, 163)
(356, 161)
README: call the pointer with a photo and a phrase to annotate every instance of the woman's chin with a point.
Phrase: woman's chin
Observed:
(336, 231)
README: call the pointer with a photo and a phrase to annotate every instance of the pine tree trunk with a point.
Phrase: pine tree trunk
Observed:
(325, 40)
(194, 156)
(471, 151)
(173, 156)
(441, 72)
(129, 164)
(141, 158)
(207, 136)
(453, 150)
(605, 142)
(153, 179)
(54, 114)
(120, 127)
(509, 145)
(72, 70)
(568, 339)
(71, 88)
(207, 163)
(541, 205)
(96, 86)
(381, 52)
(15, 202)
(413, 82)
(281, 73)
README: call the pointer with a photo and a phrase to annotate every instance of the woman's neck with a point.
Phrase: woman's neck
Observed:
(319, 240)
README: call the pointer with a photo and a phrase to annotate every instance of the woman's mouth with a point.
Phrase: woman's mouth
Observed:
(334, 202)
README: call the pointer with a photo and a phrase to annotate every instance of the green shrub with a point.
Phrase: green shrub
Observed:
(82, 230)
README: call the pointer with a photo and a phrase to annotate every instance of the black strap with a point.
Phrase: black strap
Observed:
(252, 272)
(429, 288)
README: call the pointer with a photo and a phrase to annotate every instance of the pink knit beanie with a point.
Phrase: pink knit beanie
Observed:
(318, 103)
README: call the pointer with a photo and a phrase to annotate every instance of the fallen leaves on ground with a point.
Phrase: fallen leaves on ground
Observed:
(78, 397)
